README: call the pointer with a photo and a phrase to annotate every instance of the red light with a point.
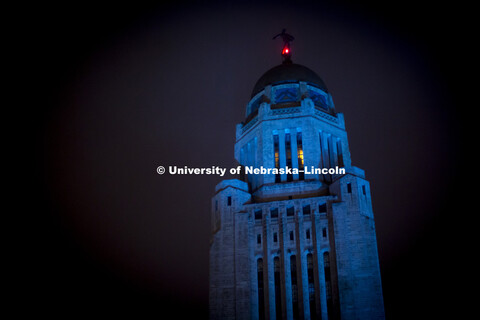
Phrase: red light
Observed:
(285, 51)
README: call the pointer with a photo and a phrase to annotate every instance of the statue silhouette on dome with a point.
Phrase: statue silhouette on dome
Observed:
(287, 38)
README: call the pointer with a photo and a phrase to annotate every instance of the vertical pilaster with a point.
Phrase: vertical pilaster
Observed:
(316, 238)
(287, 293)
(253, 266)
(302, 271)
(267, 154)
(268, 268)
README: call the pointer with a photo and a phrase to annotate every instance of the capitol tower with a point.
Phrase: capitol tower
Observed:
(298, 245)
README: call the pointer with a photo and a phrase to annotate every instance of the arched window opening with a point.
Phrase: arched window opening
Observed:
(311, 287)
(276, 149)
(328, 283)
(288, 155)
(301, 164)
(293, 276)
(261, 301)
(340, 153)
(278, 290)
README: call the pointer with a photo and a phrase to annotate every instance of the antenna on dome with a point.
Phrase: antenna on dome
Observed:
(286, 50)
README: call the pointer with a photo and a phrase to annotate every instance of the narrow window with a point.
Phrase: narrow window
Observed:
(258, 214)
(363, 190)
(278, 292)
(311, 286)
(293, 276)
(328, 284)
(340, 153)
(307, 234)
(229, 201)
(322, 163)
(324, 232)
(322, 208)
(291, 235)
(349, 187)
(290, 212)
(288, 154)
(331, 160)
(301, 174)
(216, 205)
(277, 156)
(259, 238)
(274, 213)
(306, 209)
(261, 301)
(275, 237)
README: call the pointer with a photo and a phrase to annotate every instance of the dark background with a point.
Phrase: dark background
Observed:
(109, 92)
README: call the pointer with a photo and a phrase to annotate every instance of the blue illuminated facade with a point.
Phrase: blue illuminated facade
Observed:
(294, 245)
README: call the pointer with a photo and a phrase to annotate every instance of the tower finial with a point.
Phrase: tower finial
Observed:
(286, 51)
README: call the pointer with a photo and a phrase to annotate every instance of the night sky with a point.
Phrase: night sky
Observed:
(115, 91)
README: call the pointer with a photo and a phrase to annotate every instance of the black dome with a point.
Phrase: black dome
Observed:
(287, 73)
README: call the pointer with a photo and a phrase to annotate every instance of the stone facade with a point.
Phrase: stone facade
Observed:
(294, 246)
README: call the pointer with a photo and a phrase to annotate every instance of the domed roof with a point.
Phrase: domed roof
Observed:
(288, 73)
